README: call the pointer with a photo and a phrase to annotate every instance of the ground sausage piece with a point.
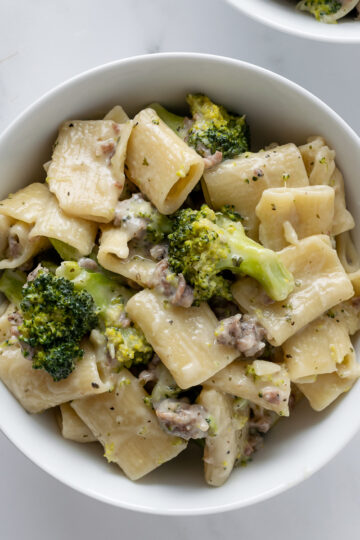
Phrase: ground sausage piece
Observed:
(106, 148)
(242, 332)
(89, 264)
(150, 374)
(181, 419)
(159, 251)
(15, 320)
(34, 273)
(213, 159)
(261, 419)
(173, 286)
(271, 394)
(253, 444)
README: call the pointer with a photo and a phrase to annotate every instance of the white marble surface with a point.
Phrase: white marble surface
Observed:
(42, 43)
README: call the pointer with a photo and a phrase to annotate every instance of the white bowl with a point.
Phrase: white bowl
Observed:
(283, 15)
(277, 110)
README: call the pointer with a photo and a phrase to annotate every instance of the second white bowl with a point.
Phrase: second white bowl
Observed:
(283, 15)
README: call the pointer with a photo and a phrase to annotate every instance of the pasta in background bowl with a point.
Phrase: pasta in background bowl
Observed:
(283, 15)
(276, 109)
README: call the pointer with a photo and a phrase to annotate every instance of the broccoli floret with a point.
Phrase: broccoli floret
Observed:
(204, 243)
(55, 319)
(128, 345)
(11, 284)
(125, 341)
(212, 128)
(320, 8)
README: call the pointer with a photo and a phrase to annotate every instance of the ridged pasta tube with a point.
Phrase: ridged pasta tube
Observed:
(161, 164)
(241, 181)
(183, 338)
(36, 390)
(320, 283)
(128, 428)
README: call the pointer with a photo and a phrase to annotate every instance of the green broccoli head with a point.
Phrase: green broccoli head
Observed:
(214, 129)
(204, 243)
(126, 342)
(128, 345)
(320, 8)
(55, 319)
(158, 226)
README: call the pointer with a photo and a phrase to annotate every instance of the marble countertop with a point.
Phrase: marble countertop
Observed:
(45, 42)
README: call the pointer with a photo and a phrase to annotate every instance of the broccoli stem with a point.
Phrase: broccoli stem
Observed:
(175, 122)
(252, 259)
(11, 284)
(66, 252)
(102, 289)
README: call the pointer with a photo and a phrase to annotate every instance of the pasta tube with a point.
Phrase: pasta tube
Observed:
(265, 383)
(183, 338)
(128, 428)
(53, 223)
(330, 386)
(319, 348)
(320, 165)
(113, 246)
(320, 283)
(71, 425)
(241, 181)
(163, 166)
(36, 390)
(88, 159)
(309, 210)
(221, 444)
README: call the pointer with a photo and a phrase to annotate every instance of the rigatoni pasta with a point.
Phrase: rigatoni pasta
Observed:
(319, 348)
(241, 181)
(18, 246)
(53, 223)
(221, 447)
(320, 283)
(37, 206)
(86, 160)
(71, 426)
(163, 167)
(309, 211)
(328, 387)
(113, 247)
(265, 383)
(36, 391)
(183, 338)
(127, 427)
(320, 165)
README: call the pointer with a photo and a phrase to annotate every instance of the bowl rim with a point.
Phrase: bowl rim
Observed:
(18, 442)
(294, 29)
